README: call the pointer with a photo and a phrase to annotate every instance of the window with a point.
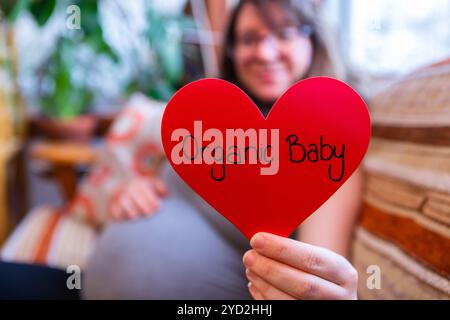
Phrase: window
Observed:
(386, 38)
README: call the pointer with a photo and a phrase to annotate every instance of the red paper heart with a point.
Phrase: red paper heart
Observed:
(323, 113)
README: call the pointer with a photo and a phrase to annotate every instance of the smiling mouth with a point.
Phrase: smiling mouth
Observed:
(268, 75)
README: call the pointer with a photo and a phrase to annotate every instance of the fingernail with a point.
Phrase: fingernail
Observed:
(257, 241)
(249, 257)
(249, 285)
(249, 274)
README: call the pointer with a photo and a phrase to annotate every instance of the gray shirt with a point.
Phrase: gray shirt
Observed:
(187, 250)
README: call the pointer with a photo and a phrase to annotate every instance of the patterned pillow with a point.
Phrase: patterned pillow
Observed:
(405, 225)
(133, 149)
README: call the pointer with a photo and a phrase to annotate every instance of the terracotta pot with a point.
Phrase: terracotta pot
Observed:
(79, 129)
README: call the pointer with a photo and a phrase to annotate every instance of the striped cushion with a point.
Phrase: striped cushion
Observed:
(48, 236)
(405, 224)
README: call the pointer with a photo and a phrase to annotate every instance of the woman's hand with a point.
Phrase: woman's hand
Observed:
(282, 268)
(139, 198)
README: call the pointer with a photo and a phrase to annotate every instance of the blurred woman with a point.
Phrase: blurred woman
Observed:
(188, 250)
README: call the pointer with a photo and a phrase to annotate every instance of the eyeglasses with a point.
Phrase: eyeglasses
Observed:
(282, 38)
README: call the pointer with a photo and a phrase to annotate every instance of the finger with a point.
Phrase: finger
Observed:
(129, 208)
(311, 259)
(160, 187)
(151, 197)
(145, 201)
(115, 212)
(120, 213)
(142, 205)
(269, 291)
(294, 282)
(256, 294)
(115, 203)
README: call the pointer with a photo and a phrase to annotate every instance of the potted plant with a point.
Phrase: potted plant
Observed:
(65, 99)
(62, 99)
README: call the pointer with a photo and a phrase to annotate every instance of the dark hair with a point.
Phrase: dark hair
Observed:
(299, 13)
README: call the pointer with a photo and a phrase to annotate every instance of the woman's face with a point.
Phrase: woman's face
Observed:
(269, 60)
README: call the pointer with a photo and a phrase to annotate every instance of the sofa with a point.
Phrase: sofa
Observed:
(404, 229)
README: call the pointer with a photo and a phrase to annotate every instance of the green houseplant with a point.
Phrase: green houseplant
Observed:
(164, 36)
(63, 100)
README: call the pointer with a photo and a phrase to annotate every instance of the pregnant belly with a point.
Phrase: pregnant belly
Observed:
(179, 253)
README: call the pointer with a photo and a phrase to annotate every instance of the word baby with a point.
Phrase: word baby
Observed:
(247, 147)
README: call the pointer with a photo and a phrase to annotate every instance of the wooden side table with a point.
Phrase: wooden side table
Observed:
(64, 158)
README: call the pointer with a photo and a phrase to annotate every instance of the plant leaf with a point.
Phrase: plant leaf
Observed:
(42, 10)
(13, 9)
